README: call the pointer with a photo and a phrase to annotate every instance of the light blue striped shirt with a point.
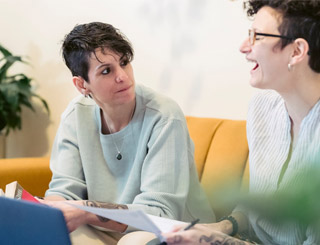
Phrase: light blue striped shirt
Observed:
(269, 139)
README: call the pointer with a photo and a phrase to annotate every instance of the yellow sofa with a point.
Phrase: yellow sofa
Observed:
(221, 155)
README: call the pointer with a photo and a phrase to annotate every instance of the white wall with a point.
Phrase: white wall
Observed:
(186, 49)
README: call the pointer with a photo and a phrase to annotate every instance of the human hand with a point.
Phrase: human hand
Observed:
(73, 216)
(201, 234)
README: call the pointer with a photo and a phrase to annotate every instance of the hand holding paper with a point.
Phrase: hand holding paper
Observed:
(137, 219)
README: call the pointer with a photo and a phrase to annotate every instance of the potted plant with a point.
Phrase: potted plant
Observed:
(15, 92)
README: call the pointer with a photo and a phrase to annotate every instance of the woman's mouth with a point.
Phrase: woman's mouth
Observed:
(256, 66)
(124, 89)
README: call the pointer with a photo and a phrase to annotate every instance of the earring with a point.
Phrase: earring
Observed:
(87, 95)
(289, 67)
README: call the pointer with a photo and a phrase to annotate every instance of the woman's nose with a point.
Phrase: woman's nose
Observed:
(121, 76)
(245, 46)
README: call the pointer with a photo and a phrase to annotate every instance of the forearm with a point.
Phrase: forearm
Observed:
(225, 226)
(202, 234)
(221, 239)
(242, 219)
(100, 221)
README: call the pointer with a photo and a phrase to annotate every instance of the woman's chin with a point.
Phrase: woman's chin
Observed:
(255, 83)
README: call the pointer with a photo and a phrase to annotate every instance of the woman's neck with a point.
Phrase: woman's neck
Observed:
(115, 119)
(303, 94)
(300, 99)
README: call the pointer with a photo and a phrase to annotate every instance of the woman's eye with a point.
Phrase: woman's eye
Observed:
(106, 71)
(124, 62)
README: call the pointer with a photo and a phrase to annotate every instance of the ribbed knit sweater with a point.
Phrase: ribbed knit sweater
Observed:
(269, 138)
(157, 172)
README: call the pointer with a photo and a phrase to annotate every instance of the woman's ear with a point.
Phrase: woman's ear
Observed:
(81, 85)
(300, 51)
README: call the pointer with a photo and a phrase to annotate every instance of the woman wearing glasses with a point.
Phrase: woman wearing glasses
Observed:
(283, 124)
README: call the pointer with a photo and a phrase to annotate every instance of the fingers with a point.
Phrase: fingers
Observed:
(71, 227)
(180, 237)
(175, 238)
(177, 228)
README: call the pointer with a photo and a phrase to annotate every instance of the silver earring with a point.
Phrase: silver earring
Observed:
(289, 67)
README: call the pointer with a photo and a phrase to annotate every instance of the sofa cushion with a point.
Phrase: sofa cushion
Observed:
(33, 174)
(221, 154)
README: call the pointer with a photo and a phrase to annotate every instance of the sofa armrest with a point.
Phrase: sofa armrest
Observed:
(33, 174)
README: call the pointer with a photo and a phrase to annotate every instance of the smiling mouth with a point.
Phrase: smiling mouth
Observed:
(256, 65)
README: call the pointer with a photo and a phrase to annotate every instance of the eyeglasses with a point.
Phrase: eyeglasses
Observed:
(253, 36)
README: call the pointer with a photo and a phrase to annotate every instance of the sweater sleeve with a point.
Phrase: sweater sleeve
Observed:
(165, 172)
(67, 174)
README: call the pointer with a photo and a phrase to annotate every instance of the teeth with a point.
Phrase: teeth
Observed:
(256, 65)
(252, 61)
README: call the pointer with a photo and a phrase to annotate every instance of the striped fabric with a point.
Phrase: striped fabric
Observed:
(269, 139)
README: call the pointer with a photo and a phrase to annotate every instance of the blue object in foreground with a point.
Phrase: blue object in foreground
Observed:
(23, 222)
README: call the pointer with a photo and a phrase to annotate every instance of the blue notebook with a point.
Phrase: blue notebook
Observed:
(23, 222)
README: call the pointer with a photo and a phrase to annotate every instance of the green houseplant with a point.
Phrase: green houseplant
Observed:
(15, 91)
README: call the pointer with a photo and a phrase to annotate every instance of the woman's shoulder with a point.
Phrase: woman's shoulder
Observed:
(266, 98)
(264, 107)
(266, 101)
(79, 103)
(158, 103)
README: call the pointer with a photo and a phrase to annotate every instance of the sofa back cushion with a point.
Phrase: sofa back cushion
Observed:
(33, 174)
(221, 156)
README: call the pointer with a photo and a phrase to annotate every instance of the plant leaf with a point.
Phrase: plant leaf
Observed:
(44, 103)
(3, 122)
(15, 92)
(10, 60)
(4, 51)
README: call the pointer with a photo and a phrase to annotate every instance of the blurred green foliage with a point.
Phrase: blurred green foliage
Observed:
(15, 92)
(299, 202)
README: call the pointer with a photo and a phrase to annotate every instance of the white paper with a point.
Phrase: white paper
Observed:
(164, 224)
(136, 218)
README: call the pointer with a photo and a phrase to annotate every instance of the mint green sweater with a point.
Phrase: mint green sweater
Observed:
(157, 172)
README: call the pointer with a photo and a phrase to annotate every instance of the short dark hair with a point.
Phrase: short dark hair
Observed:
(300, 19)
(83, 41)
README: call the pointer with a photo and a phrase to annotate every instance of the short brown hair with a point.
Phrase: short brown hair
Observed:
(300, 19)
(84, 39)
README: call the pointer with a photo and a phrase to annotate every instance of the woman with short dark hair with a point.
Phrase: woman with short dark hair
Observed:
(120, 145)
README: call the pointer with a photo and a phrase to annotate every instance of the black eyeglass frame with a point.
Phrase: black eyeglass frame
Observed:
(252, 41)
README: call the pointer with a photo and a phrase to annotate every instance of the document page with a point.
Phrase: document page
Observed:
(135, 218)
(165, 224)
